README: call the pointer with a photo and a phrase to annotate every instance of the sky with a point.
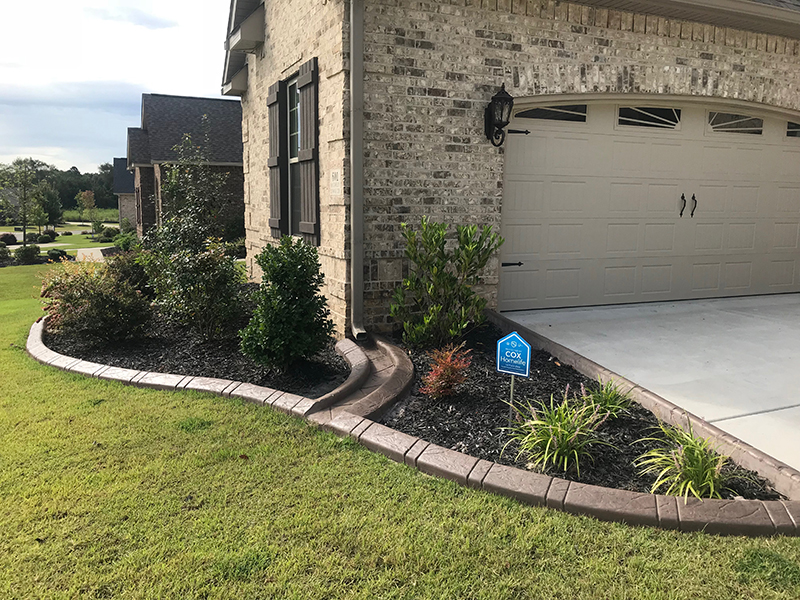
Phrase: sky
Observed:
(72, 72)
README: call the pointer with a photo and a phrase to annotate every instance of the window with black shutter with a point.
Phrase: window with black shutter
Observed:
(293, 157)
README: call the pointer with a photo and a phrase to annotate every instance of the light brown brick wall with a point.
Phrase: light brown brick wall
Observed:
(431, 68)
(298, 30)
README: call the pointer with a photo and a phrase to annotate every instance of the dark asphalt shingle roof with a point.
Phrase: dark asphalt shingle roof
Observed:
(787, 4)
(123, 179)
(165, 120)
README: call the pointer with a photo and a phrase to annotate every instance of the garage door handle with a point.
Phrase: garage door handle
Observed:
(516, 264)
(683, 208)
(694, 199)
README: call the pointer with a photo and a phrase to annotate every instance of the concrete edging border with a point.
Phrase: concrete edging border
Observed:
(723, 517)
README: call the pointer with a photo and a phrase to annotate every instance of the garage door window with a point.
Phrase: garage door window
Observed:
(646, 116)
(575, 113)
(732, 123)
(792, 129)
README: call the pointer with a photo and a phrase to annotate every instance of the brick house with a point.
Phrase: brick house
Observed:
(124, 190)
(165, 120)
(661, 161)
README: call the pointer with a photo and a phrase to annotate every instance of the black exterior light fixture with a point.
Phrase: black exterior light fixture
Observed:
(497, 116)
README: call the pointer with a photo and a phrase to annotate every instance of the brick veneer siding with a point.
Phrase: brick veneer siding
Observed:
(144, 184)
(431, 68)
(298, 30)
(127, 208)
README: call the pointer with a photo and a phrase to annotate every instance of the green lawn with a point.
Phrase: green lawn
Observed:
(108, 491)
(106, 215)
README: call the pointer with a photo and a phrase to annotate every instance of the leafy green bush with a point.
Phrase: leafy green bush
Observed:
(31, 237)
(126, 226)
(128, 267)
(200, 290)
(44, 239)
(561, 435)
(449, 370)
(56, 254)
(66, 233)
(8, 238)
(236, 248)
(5, 254)
(27, 255)
(290, 320)
(436, 302)
(610, 398)
(110, 232)
(126, 241)
(87, 300)
(51, 232)
(104, 240)
(685, 464)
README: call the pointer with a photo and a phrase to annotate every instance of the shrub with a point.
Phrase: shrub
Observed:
(5, 254)
(609, 398)
(561, 435)
(126, 226)
(31, 237)
(436, 302)
(27, 255)
(8, 238)
(86, 299)
(110, 232)
(290, 320)
(86, 233)
(2, 244)
(56, 254)
(200, 290)
(51, 232)
(236, 248)
(684, 464)
(44, 239)
(126, 241)
(449, 371)
(66, 233)
(104, 240)
(128, 267)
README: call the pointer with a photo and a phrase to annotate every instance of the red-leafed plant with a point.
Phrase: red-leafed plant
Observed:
(449, 370)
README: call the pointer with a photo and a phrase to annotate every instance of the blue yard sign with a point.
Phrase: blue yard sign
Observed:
(514, 355)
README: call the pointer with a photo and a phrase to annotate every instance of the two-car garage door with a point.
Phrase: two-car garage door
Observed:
(608, 204)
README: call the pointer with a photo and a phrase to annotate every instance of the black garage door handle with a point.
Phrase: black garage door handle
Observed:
(683, 208)
(694, 199)
(516, 264)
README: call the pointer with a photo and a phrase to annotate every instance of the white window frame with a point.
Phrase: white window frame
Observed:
(293, 160)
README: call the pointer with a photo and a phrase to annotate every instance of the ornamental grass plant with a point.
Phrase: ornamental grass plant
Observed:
(561, 435)
(609, 397)
(685, 464)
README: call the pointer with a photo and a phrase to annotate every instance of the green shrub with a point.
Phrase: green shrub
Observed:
(51, 232)
(5, 254)
(685, 464)
(66, 233)
(126, 226)
(27, 255)
(290, 320)
(236, 248)
(126, 241)
(200, 290)
(44, 239)
(56, 254)
(609, 398)
(561, 435)
(436, 302)
(31, 237)
(128, 267)
(85, 299)
(110, 232)
(449, 370)
(104, 240)
(8, 238)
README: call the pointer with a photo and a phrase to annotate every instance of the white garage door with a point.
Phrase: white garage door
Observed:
(593, 197)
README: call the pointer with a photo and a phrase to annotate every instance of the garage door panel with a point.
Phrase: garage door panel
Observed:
(595, 219)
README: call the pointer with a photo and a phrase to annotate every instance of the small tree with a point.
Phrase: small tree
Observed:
(50, 202)
(38, 216)
(85, 202)
(291, 316)
(22, 175)
(436, 303)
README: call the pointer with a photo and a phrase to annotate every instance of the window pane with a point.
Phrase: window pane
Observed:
(793, 129)
(574, 112)
(294, 120)
(294, 198)
(735, 123)
(645, 116)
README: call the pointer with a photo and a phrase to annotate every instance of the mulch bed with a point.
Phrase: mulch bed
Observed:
(168, 348)
(471, 421)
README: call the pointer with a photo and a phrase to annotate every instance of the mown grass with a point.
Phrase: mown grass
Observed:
(108, 491)
(106, 215)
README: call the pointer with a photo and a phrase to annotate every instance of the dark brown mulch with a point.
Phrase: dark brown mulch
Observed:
(168, 348)
(472, 420)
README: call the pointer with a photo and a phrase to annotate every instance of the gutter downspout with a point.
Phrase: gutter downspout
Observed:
(357, 169)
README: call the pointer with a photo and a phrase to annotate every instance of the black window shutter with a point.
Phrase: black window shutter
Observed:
(308, 156)
(278, 161)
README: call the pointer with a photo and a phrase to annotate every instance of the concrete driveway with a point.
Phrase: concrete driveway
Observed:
(734, 362)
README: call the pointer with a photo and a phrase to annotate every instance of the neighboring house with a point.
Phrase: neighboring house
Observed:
(123, 189)
(165, 120)
(662, 161)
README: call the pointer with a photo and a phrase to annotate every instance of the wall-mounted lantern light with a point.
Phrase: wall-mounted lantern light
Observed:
(497, 116)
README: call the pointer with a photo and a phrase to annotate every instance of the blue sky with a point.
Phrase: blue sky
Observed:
(72, 72)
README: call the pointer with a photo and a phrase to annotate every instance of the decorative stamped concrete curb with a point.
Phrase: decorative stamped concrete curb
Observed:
(724, 517)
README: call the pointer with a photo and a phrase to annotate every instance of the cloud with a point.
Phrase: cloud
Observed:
(111, 96)
(132, 15)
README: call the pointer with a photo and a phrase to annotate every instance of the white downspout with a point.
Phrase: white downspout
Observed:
(357, 169)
